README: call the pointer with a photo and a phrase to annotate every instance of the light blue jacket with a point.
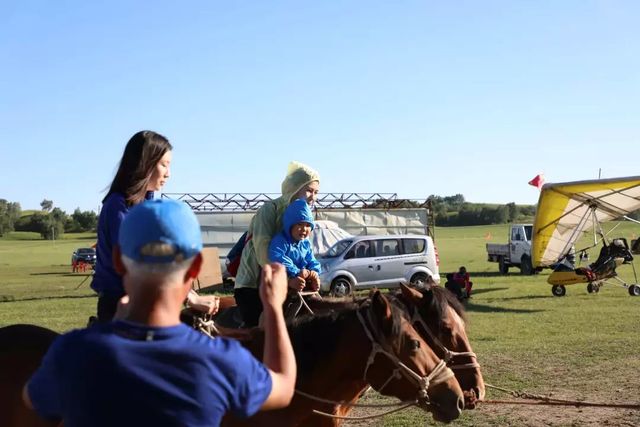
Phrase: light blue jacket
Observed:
(283, 249)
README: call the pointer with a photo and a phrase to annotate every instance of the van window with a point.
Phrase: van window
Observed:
(515, 233)
(387, 247)
(338, 248)
(361, 250)
(413, 246)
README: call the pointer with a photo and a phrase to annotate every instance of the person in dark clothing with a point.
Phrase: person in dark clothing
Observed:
(454, 287)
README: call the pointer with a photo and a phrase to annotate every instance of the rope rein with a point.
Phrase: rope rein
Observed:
(438, 375)
(551, 401)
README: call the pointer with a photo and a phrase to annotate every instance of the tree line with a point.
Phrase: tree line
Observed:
(51, 223)
(456, 211)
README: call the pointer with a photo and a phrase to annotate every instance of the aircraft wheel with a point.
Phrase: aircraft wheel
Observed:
(591, 288)
(634, 290)
(558, 290)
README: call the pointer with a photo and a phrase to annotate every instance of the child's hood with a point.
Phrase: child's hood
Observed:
(297, 211)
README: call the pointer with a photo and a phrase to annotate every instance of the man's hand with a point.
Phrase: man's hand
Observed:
(207, 304)
(304, 273)
(273, 290)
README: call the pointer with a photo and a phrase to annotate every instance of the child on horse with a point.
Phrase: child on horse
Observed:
(292, 249)
(148, 368)
(301, 182)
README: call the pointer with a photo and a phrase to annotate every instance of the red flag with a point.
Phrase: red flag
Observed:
(538, 181)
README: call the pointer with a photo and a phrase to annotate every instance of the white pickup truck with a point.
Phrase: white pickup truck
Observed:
(516, 253)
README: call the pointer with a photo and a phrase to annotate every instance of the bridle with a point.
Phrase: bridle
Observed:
(449, 355)
(439, 374)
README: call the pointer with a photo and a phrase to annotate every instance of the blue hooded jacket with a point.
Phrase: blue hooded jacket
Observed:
(284, 249)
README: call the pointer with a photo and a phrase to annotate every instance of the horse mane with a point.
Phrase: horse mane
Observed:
(437, 299)
(316, 338)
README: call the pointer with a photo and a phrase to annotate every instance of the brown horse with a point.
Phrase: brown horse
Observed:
(22, 348)
(338, 354)
(341, 351)
(440, 319)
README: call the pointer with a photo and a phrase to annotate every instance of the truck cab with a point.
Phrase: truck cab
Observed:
(516, 253)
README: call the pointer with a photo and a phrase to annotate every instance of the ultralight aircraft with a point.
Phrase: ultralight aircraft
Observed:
(566, 212)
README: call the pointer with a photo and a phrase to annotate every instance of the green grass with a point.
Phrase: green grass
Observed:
(580, 346)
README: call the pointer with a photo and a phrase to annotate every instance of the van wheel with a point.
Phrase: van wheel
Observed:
(418, 280)
(340, 287)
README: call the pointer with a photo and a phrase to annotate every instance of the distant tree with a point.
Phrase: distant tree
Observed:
(455, 201)
(81, 221)
(9, 214)
(512, 212)
(46, 205)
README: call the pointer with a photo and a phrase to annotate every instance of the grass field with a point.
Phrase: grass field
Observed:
(581, 346)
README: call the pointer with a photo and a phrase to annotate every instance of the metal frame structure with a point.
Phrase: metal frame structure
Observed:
(242, 202)
(202, 202)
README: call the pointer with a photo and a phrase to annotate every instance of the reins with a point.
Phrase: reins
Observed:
(537, 399)
(438, 375)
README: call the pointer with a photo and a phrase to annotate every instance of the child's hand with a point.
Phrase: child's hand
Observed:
(313, 281)
(297, 283)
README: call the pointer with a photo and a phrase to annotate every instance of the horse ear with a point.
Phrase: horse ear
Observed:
(382, 310)
(411, 294)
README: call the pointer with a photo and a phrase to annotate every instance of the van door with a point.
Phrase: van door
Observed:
(416, 252)
(388, 264)
(359, 261)
(519, 244)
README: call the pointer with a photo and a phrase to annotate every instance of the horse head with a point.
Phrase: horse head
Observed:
(439, 317)
(402, 364)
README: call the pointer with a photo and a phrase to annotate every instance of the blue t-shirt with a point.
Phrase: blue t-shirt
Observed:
(105, 278)
(125, 374)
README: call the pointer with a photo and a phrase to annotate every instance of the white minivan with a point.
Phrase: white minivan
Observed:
(378, 261)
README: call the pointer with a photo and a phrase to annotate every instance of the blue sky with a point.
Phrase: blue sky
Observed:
(410, 97)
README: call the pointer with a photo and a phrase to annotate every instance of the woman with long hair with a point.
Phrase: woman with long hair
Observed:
(144, 168)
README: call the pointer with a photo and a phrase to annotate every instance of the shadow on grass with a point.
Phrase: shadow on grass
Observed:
(527, 297)
(48, 273)
(495, 274)
(481, 308)
(486, 290)
(11, 298)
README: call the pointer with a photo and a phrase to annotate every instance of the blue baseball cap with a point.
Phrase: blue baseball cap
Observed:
(160, 231)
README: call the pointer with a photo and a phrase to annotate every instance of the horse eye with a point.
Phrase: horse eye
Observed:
(415, 345)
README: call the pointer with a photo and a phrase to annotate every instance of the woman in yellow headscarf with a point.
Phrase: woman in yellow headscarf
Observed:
(301, 182)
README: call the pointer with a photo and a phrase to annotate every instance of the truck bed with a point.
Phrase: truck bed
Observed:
(497, 250)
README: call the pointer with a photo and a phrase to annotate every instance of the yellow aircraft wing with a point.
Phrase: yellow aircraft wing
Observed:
(568, 209)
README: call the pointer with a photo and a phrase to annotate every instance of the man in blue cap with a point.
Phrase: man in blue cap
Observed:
(146, 368)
